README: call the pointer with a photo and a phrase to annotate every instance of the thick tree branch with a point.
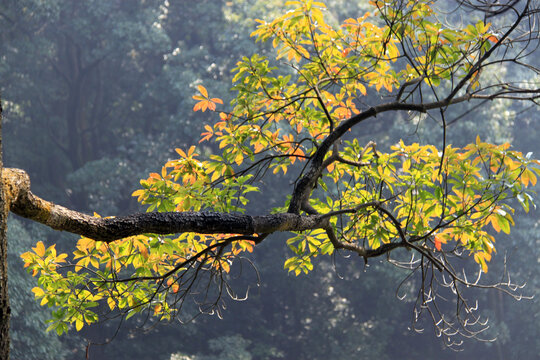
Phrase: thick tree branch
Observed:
(24, 203)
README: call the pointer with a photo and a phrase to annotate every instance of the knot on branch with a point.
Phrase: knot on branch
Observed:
(16, 184)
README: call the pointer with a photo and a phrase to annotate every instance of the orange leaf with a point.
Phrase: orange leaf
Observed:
(205, 136)
(493, 39)
(438, 244)
(204, 105)
(258, 147)
(202, 90)
(144, 252)
(180, 152)
(330, 167)
(299, 152)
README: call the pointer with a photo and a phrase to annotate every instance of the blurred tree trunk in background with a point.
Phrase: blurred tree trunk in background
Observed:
(4, 296)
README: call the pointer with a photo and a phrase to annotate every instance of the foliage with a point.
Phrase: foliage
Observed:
(454, 207)
(435, 202)
(83, 90)
(28, 337)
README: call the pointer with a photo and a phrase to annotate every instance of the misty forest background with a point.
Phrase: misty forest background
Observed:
(98, 93)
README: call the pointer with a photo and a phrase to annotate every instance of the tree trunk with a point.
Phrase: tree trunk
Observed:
(4, 298)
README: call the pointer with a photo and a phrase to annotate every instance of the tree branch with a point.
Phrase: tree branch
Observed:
(24, 203)
(306, 184)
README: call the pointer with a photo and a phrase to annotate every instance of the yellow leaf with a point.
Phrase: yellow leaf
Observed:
(525, 178)
(479, 258)
(528, 176)
(39, 249)
(225, 266)
(532, 177)
(27, 257)
(406, 165)
(138, 192)
(38, 291)
(361, 88)
(239, 158)
(494, 222)
(85, 243)
(79, 324)
(79, 267)
(215, 176)
(202, 90)
(111, 303)
(52, 250)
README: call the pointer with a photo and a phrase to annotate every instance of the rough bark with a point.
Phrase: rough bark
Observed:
(24, 203)
(5, 309)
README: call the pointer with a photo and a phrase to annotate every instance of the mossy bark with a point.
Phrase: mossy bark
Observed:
(24, 203)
